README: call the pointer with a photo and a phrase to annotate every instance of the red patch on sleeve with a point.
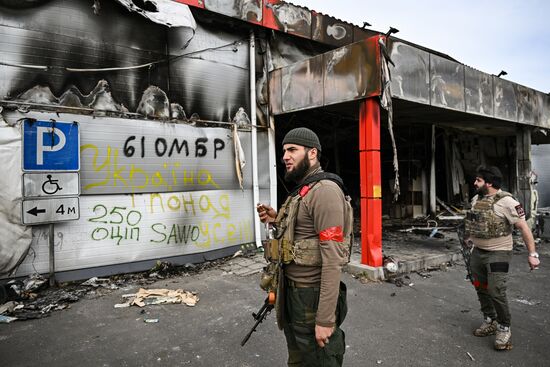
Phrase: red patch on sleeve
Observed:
(332, 234)
(304, 190)
(520, 211)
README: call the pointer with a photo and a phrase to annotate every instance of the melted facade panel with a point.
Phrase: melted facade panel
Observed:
(275, 91)
(506, 104)
(287, 18)
(345, 74)
(413, 77)
(249, 10)
(411, 74)
(214, 84)
(352, 72)
(42, 36)
(446, 83)
(478, 92)
(528, 106)
(544, 102)
(302, 84)
(331, 30)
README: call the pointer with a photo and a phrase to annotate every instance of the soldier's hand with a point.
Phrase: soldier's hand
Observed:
(322, 334)
(534, 262)
(266, 213)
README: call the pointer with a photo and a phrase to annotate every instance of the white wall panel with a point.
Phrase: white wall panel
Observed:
(115, 229)
(147, 205)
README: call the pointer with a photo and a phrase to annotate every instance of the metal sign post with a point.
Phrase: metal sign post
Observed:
(51, 151)
(52, 255)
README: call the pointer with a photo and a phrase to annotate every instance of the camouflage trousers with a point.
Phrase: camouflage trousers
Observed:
(299, 328)
(489, 277)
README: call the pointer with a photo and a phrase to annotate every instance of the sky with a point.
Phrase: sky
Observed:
(488, 35)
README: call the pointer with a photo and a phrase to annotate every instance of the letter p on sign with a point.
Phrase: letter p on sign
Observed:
(41, 148)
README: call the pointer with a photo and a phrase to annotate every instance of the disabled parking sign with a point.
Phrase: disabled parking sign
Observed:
(51, 146)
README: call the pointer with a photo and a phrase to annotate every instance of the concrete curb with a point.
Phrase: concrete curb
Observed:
(427, 262)
(405, 267)
(372, 273)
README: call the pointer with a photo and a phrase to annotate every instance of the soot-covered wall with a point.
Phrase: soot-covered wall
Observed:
(211, 80)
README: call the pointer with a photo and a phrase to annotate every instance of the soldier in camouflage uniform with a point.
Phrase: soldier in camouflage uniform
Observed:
(313, 237)
(489, 230)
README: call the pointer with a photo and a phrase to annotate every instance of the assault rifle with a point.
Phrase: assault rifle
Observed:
(466, 250)
(259, 317)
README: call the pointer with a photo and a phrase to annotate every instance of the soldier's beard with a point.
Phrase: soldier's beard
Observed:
(298, 173)
(483, 190)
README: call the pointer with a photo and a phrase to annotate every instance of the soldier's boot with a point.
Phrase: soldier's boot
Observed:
(503, 339)
(488, 327)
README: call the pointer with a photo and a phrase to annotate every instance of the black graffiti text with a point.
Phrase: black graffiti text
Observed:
(162, 147)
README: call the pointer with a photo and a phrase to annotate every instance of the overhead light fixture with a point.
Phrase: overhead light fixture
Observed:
(502, 73)
(391, 31)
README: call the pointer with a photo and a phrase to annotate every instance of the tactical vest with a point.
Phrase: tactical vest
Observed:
(283, 248)
(482, 222)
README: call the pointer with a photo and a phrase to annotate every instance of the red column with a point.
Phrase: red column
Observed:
(371, 178)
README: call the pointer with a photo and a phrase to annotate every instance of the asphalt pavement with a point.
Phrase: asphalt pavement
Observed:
(426, 321)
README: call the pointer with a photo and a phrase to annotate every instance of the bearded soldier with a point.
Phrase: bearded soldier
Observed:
(489, 229)
(312, 242)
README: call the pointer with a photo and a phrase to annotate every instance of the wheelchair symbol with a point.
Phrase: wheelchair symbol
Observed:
(50, 186)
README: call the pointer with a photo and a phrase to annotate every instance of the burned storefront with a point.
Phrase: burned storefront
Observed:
(407, 128)
(181, 107)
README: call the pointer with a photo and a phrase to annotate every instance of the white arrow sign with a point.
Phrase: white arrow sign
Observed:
(50, 210)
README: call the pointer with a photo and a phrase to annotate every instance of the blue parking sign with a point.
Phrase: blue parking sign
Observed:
(50, 146)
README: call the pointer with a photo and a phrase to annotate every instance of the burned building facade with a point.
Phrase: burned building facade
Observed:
(182, 106)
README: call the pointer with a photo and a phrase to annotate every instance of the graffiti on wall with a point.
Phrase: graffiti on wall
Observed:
(137, 156)
(116, 229)
(201, 219)
(148, 190)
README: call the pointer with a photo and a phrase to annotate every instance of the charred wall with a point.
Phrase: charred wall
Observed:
(59, 34)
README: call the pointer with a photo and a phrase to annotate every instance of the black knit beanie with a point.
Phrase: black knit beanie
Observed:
(302, 136)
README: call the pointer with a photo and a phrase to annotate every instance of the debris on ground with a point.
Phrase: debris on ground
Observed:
(238, 253)
(100, 282)
(390, 264)
(400, 281)
(424, 274)
(37, 306)
(159, 296)
(7, 307)
(22, 289)
(33, 283)
(471, 357)
(527, 302)
(151, 321)
(31, 298)
(6, 319)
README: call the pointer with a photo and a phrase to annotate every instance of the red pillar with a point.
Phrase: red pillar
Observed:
(371, 178)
